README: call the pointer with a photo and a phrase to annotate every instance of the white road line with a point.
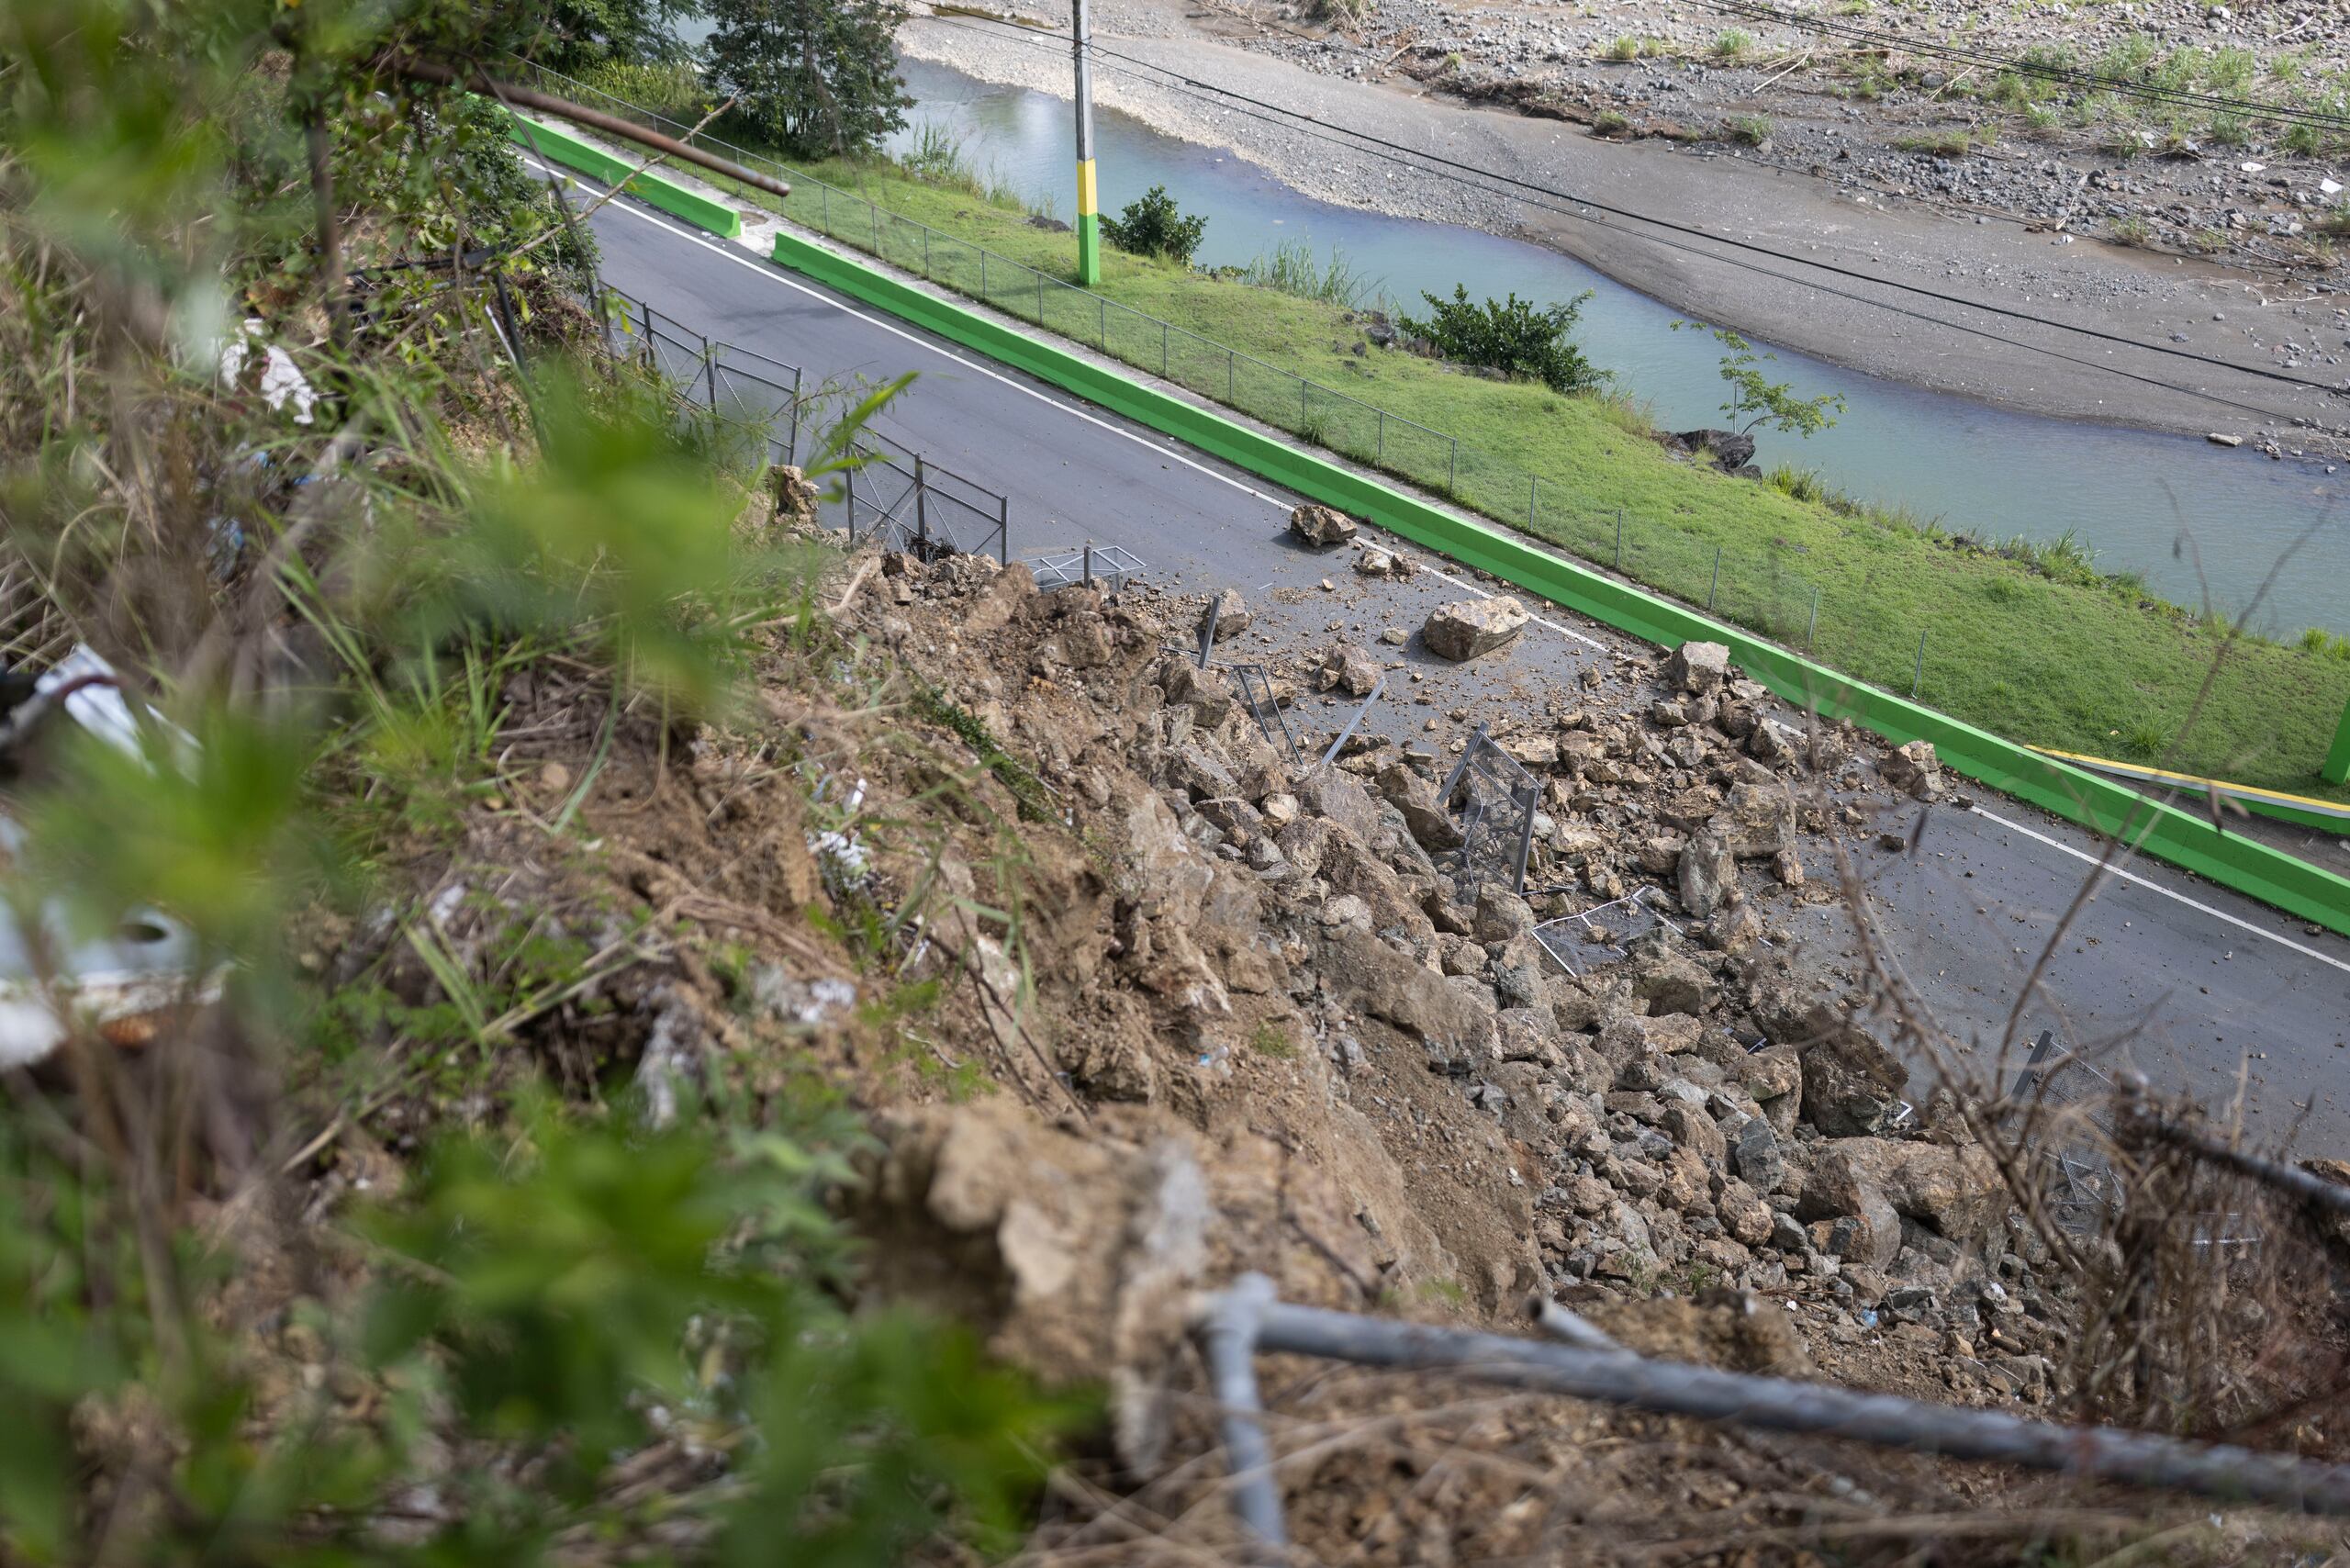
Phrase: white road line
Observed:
(2132, 877)
(768, 271)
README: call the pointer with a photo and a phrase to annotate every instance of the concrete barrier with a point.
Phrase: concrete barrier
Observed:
(2183, 839)
(576, 152)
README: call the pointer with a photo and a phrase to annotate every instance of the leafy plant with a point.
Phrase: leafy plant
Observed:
(1747, 130)
(1758, 400)
(1511, 336)
(1152, 225)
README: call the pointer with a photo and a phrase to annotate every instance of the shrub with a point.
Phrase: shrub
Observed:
(1154, 226)
(1732, 43)
(1747, 130)
(1511, 336)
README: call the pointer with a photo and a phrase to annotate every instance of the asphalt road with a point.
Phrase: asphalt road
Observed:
(2186, 981)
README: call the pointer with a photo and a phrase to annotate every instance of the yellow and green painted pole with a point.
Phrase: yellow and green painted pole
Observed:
(2337, 761)
(1089, 205)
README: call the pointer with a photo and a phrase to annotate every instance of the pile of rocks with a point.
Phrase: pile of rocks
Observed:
(1694, 1113)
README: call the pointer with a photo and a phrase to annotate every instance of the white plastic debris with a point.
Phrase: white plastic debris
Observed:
(53, 976)
(281, 381)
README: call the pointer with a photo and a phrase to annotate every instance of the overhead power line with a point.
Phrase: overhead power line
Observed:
(1584, 208)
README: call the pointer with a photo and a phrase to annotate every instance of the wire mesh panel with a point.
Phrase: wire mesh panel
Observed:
(1106, 566)
(1497, 798)
(1603, 933)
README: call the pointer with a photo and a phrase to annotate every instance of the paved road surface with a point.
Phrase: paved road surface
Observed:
(2202, 985)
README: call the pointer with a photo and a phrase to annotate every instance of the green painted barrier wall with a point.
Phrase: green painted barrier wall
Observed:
(2180, 837)
(2337, 761)
(574, 152)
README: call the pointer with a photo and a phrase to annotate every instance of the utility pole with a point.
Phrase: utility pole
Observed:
(1089, 206)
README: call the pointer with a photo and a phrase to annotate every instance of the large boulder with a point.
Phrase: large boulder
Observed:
(1758, 820)
(1320, 526)
(1166, 871)
(1850, 1084)
(1413, 795)
(1914, 769)
(1864, 1226)
(1231, 613)
(1956, 1192)
(1341, 798)
(1468, 627)
(1698, 667)
(1730, 450)
(1709, 876)
(1367, 975)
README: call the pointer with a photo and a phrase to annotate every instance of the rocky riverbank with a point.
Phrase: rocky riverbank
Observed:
(2018, 264)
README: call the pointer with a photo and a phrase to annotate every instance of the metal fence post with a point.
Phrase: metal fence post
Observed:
(1380, 450)
(1813, 624)
(848, 478)
(925, 249)
(1102, 320)
(1532, 485)
(1088, 563)
(875, 209)
(1619, 539)
(1162, 351)
(1304, 404)
(709, 369)
(1452, 467)
(1229, 401)
(1003, 530)
(1918, 676)
(825, 221)
(921, 508)
(1040, 299)
(1712, 587)
(983, 272)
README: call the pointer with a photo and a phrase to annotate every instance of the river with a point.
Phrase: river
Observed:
(1998, 474)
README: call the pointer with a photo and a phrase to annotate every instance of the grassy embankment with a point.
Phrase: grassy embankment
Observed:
(2030, 641)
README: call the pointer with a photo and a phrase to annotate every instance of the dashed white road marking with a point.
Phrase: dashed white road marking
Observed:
(768, 269)
(2132, 877)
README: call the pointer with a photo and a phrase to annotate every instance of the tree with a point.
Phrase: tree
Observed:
(1154, 226)
(817, 76)
(1759, 401)
(587, 32)
(1511, 336)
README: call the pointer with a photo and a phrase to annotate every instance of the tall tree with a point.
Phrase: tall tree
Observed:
(587, 32)
(819, 76)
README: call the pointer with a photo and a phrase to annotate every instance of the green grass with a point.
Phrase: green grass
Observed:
(2024, 638)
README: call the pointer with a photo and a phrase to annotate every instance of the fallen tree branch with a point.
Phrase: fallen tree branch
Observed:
(579, 114)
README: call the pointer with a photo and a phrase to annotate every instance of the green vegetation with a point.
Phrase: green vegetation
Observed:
(2075, 657)
(212, 1350)
(816, 76)
(1510, 336)
(1747, 130)
(1758, 400)
(1291, 268)
(1154, 226)
(1733, 44)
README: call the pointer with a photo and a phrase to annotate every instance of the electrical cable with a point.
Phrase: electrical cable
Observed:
(1392, 152)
